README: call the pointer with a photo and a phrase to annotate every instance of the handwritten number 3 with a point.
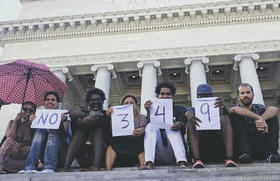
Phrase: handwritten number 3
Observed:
(205, 111)
(124, 120)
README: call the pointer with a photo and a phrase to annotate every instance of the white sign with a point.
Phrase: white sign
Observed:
(207, 113)
(161, 113)
(122, 120)
(47, 118)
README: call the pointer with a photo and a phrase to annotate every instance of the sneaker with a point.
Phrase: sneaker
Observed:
(28, 171)
(198, 164)
(47, 171)
(148, 166)
(23, 171)
(245, 158)
(182, 164)
(273, 158)
(230, 163)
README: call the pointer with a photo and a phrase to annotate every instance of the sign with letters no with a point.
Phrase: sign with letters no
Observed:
(122, 120)
(161, 113)
(207, 113)
(47, 118)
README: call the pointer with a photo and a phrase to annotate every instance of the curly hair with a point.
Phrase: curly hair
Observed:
(92, 91)
(165, 85)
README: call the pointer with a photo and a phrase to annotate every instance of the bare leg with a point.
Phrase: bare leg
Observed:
(141, 158)
(76, 143)
(227, 135)
(98, 149)
(194, 141)
(111, 156)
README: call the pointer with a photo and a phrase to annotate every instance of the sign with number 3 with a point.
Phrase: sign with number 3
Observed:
(123, 120)
(207, 113)
(161, 113)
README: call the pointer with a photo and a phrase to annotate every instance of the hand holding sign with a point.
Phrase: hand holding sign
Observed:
(47, 118)
(209, 115)
(161, 113)
(122, 120)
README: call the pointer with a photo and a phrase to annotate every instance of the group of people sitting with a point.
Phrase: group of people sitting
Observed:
(248, 132)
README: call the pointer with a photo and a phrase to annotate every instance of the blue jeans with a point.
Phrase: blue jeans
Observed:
(43, 137)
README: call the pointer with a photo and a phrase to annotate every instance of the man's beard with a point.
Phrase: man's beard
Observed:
(247, 102)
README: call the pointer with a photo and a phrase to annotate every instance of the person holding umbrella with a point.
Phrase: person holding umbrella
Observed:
(15, 148)
(49, 137)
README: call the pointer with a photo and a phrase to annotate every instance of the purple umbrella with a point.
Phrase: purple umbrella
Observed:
(22, 81)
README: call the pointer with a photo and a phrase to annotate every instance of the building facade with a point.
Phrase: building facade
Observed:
(128, 46)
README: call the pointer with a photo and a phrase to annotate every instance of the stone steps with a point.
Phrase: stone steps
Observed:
(212, 172)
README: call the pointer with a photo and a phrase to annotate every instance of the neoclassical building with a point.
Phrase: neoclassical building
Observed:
(128, 46)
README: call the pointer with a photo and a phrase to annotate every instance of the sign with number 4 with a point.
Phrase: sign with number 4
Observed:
(161, 113)
(207, 113)
(123, 120)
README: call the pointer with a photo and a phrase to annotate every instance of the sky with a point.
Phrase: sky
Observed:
(9, 10)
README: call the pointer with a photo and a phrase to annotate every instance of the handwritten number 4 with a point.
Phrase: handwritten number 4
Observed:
(204, 109)
(124, 120)
(159, 114)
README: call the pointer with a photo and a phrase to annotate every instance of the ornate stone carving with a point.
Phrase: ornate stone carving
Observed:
(238, 58)
(155, 63)
(228, 12)
(62, 73)
(203, 60)
(242, 48)
(109, 67)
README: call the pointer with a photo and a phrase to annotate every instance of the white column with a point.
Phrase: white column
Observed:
(102, 74)
(149, 71)
(63, 74)
(247, 64)
(196, 67)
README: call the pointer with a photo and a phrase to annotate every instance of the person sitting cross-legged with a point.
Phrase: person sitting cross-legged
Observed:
(255, 128)
(210, 145)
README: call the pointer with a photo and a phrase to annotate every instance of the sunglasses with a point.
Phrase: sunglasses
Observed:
(27, 109)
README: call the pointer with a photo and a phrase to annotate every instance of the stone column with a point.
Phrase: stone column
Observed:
(63, 74)
(196, 67)
(247, 64)
(149, 71)
(102, 74)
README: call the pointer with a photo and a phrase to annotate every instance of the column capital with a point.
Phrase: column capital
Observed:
(239, 57)
(64, 71)
(110, 67)
(204, 60)
(155, 63)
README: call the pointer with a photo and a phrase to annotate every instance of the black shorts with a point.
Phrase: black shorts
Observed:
(211, 146)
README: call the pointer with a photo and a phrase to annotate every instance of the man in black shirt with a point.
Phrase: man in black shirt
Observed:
(166, 146)
(256, 128)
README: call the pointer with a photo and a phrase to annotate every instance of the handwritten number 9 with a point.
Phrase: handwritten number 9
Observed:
(159, 114)
(204, 109)
(124, 120)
